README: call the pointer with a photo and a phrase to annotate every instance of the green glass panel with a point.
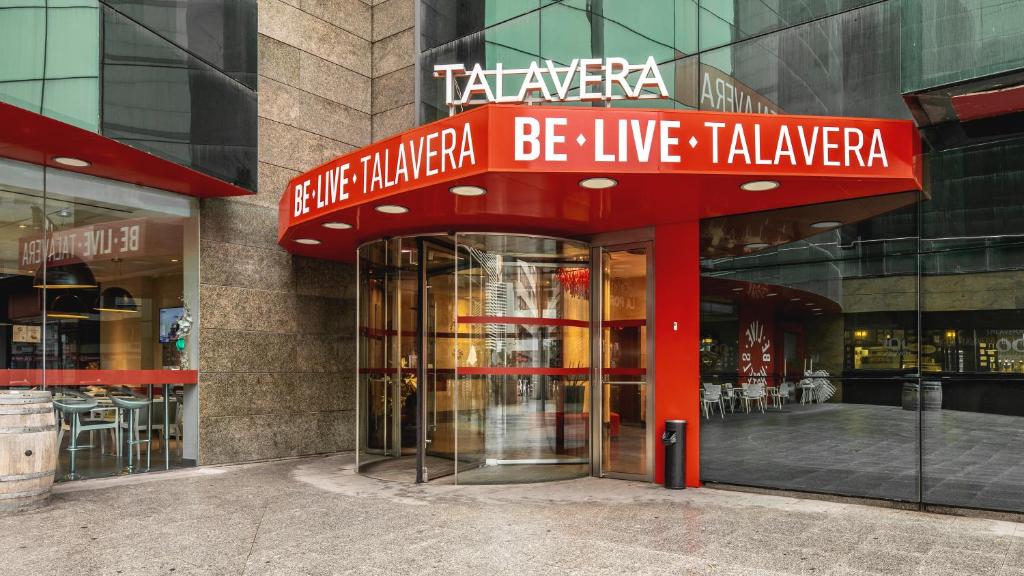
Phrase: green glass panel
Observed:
(21, 3)
(75, 101)
(686, 26)
(564, 33)
(496, 11)
(24, 94)
(945, 43)
(73, 43)
(21, 43)
(73, 3)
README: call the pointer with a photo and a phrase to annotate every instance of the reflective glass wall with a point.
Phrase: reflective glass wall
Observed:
(176, 79)
(98, 291)
(892, 349)
(485, 340)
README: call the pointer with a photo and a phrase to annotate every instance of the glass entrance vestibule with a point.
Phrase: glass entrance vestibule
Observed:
(484, 357)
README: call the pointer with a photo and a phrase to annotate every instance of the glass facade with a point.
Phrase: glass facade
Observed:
(176, 79)
(888, 350)
(95, 277)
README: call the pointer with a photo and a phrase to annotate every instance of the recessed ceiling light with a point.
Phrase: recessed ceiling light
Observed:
(467, 190)
(737, 289)
(816, 309)
(22, 225)
(772, 294)
(307, 241)
(756, 246)
(808, 303)
(391, 209)
(794, 299)
(760, 185)
(599, 183)
(174, 259)
(336, 225)
(69, 161)
(826, 224)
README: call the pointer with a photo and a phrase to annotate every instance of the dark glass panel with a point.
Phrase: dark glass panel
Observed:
(727, 21)
(833, 340)
(973, 327)
(220, 32)
(844, 65)
(158, 98)
(949, 41)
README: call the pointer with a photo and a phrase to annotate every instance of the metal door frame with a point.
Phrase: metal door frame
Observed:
(618, 243)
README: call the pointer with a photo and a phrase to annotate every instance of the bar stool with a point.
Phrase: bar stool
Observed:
(128, 402)
(73, 406)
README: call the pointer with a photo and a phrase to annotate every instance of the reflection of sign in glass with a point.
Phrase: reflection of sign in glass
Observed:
(26, 333)
(721, 92)
(85, 243)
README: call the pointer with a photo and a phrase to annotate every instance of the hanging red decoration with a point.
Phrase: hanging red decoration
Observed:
(576, 281)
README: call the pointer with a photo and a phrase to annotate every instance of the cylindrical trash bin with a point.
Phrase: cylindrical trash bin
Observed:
(674, 440)
(931, 395)
(910, 394)
(28, 450)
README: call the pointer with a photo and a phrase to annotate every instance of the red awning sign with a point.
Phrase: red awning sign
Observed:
(534, 156)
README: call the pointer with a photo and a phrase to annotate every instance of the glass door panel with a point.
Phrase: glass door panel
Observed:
(626, 447)
(439, 409)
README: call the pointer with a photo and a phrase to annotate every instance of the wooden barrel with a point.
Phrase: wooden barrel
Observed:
(28, 449)
(931, 395)
(910, 393)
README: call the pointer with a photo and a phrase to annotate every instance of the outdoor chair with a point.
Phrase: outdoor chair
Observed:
(753, 393)
(711, 394)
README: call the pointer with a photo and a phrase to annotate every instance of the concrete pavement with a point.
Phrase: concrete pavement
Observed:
(315, 516)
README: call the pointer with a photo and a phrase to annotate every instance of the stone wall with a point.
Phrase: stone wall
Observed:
(394, 59)
(277, 338)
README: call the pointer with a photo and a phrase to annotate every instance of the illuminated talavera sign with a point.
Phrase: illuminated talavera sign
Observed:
(583, 80)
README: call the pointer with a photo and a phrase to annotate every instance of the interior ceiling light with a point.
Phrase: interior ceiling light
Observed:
(307, 241)
(825, 224)
(794, 299)
(756, 246)
(737, 289)
(117, 299)
(73, 162)
(599, 183)
(760, 185)
(467, 190)
(772, 294)
(391, 209)
(68, 305)
(336, 225)
(74, 274)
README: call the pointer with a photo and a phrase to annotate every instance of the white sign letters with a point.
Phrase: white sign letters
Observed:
(583, 80)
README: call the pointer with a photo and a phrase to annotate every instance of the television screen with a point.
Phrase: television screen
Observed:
(168, 323)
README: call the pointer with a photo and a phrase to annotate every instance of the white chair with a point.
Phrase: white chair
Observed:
(711, 394)
(730, 395)
(778, 395)
(807, 389)
(753, 393)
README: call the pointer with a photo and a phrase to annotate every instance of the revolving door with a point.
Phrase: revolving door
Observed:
(474, 358)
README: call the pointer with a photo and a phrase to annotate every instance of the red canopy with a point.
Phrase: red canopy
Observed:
(533, 162)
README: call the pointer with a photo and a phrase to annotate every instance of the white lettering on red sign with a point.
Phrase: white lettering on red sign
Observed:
(743, 144)
(404, 161)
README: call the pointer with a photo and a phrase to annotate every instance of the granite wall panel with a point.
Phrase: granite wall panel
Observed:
(277, 332)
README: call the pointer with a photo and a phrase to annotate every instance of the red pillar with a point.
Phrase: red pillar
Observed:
(677, 339)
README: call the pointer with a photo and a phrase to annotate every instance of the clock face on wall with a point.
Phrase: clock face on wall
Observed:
(756, 356)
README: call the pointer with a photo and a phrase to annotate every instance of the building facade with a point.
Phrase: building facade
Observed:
(891, 337)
